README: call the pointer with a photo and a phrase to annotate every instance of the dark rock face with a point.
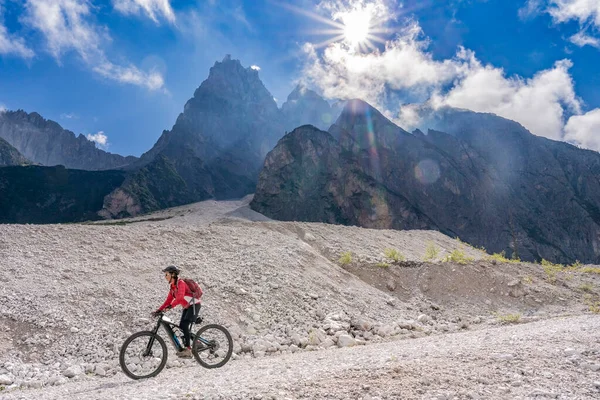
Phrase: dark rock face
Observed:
(220, 140)
(218, 144)
(35, 194)
(45, 142)
(305, 107)
(10, 156)
(490, 182)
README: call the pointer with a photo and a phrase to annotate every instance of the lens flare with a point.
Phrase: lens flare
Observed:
(427, 172)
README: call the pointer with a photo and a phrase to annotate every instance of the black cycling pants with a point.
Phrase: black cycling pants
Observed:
(188, 316)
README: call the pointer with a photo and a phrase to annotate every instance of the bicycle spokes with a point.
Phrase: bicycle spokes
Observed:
(212, 346)
(143, 356)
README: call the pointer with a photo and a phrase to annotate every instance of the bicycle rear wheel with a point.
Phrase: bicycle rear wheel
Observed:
(212, 346)
(143, 355)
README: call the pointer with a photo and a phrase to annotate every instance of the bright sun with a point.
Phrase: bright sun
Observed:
(357, 27)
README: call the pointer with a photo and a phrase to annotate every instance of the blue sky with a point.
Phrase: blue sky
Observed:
(125, 68)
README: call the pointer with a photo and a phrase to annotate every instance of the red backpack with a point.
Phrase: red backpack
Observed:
(194, 287)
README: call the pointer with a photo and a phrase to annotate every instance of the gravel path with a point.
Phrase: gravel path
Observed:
(556, 358)
(71, 294)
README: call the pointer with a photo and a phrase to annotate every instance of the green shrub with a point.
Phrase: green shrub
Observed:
(587, 287)
(458, 256)
(431, 252)
(345, 258)
(383, 265)
(394, 255)
(509, 318)
(501, 258)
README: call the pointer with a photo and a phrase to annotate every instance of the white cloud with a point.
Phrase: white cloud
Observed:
(530, 9)
(585, 12)
(538, 103)
(580, 10)
(154, 9)
(68, 116)
(581, 39)
(68, 25)
(403, 64)
(255, 67)
(99, 138)
(11, 44)
(584, 130)
(2, 108)
(151, 80)
(406, 72)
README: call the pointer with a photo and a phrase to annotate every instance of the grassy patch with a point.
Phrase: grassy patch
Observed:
(383, 265)
(345, 258)
(501, 258)
(431, 252)
(551, 270)
(394, 255)
(509, 318)
(590, 270)
(528, 280)
(587, 287)
(458, 256)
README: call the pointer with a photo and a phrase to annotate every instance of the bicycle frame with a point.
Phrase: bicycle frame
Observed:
(168, 326)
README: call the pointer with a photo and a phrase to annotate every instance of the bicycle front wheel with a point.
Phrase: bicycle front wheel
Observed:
(212, 346)
(143, 355)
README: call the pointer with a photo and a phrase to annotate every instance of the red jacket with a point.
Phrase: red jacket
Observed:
(180, 294)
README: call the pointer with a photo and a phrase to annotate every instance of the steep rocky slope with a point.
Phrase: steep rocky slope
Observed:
(490, 182)
(45, 142)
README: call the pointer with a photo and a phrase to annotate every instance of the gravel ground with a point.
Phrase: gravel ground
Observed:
(557, 358)
(303, 324)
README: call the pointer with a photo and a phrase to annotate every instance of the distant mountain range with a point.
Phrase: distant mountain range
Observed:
(477, 176)
(46, 143)
(488, 181)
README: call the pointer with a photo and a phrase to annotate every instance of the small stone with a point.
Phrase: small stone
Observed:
(5, 380)
(346, 341)
(74, 330)
(423, 318)
(72, 371)
(571, 352)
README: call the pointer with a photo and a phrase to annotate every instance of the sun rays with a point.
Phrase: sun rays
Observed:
(360, 28)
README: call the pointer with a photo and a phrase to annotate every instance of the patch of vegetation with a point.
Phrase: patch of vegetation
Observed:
(587, 287)
(551, 270)
(528, 280)
(383, 265)
(459, 257)
(509, 318)
(394, 255)
(345, 258)
(431, 252)
(501, 258)
(590, 270)
(576, 265)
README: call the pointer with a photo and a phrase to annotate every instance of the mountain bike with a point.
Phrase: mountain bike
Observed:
(144, 354)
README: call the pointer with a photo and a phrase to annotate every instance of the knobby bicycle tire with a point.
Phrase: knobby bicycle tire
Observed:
(124, 348)
(196, 341)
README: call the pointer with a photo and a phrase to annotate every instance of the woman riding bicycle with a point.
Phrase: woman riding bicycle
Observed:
(181, 294)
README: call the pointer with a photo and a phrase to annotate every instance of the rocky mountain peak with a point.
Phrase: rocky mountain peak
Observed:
(361, 126)
(305, 106)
